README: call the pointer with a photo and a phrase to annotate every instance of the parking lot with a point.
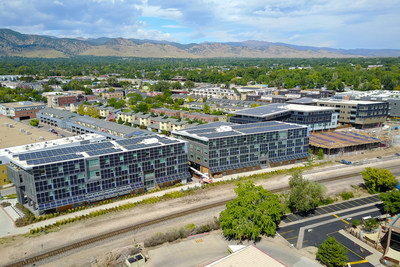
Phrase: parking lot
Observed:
(333, 208)
(312, 230)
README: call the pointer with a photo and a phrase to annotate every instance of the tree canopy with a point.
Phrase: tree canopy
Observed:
(391, 200)
(253, 212)
(304, 195)
(378, 180)
(332, 253)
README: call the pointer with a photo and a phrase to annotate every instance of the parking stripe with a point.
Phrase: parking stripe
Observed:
(362, 201)
(291, 238)
(286, 232)
(359, 203)
(342, 205)
(332, 233)
(329, 207)
(358, 262)
(288, 218)
(348, 202)
(317, 212)
(324, 209)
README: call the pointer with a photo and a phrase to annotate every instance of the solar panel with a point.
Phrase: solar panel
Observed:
(103, 151)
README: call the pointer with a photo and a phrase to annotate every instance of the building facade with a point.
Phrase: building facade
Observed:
(62, 177)
(360, 114)
(223, 148)
(317, 118)
(23, 110)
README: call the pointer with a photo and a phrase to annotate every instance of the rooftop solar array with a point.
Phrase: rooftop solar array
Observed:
(76, 151)
(238, 129)
(63, 151)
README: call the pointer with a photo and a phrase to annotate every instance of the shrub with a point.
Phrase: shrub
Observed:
(370, 224)
(347, 195)
(356, 223)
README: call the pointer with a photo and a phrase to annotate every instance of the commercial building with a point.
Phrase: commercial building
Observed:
(317, 118)
(78, 124)
(392, 250)
(360, 114)
(23, 110)
(216, 92)
(54, 176)
(223, 148)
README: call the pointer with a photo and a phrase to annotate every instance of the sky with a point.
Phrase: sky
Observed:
(347, 24)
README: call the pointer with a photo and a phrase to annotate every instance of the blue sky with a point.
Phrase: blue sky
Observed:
(327, 23)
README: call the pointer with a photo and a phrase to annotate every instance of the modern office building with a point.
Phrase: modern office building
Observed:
(84, 169)
(222, 148)
(23, 110)
(360, 114)
(317, 118)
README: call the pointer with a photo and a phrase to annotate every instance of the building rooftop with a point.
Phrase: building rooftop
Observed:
(350, 102)
(277, 108)
(338, 139)
(248, 256)
(23, 104)
(112, 126)
(78, 147)
(214, 130)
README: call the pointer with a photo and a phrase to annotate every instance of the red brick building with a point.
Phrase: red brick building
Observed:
(167, 112)
(23, 110)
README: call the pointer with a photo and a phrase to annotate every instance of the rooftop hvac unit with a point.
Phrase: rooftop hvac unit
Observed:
(11, 126)
(5, 124)
(22, 130)
(28, 132)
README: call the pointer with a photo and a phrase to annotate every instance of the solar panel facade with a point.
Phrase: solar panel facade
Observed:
(227, 148)
(92, 172)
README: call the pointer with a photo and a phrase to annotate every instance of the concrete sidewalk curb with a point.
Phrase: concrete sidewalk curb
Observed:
(376, 255)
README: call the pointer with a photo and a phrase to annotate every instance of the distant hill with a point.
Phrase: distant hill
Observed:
(13, 43)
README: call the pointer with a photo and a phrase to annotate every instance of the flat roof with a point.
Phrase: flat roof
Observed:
(80, 147)
(248, 256)
(23, 104)
(214, 130)
(350, 102)
(277, 108)
(21, 134)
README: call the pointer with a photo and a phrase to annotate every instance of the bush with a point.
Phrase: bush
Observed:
(370, 224)
(346, 195)
(356, 223)
(5, 204)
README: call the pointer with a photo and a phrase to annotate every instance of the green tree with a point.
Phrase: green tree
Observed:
(378, 180)
(189, 84)
(34, 122)
(332, 253)
(88, 91)
(320, 154)
(391, 200)
(304, 195)
(253, 212)
(120, 121)
(206, 108)
(190, 99)
(255, 105)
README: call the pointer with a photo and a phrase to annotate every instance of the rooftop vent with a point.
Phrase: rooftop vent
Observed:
(149, 141)
(224, 129)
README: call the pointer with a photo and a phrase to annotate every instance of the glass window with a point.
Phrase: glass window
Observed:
(93, 163)
(121, 157)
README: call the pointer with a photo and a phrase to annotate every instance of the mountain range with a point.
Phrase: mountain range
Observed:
(13, 43)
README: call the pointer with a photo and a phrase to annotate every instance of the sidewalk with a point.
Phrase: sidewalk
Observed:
(376, 255)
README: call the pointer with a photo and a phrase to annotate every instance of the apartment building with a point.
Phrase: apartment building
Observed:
(216, 92)
(50, 178)
(317, 118)
(223, 148)
(360, 114)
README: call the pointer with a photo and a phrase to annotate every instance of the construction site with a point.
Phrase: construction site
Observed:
(350, 140)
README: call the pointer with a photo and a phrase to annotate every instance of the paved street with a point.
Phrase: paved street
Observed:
(315, 229)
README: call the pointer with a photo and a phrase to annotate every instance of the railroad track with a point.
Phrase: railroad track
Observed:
(34, 259)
